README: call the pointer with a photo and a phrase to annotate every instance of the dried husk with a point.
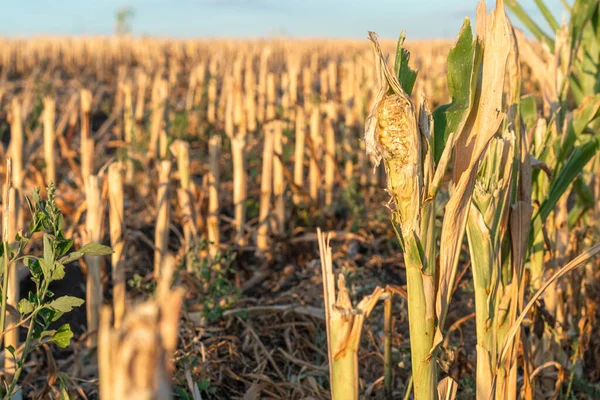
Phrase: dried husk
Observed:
(392, 135)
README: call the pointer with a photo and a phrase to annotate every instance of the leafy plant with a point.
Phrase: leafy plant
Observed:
(40, 308)
(217, 291)
(353, 203)
(142, 284)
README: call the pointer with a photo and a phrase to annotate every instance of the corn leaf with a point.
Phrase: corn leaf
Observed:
(577, 161)
(494, 32)
(405, 74)
(582, 117)
(547, 15)
(521, 14)
(462, 75)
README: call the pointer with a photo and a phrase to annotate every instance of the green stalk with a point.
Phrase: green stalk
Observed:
(486, 221)
(482, 262)
(502, 325)
(422, 327)
(421, 277)
(420, 280)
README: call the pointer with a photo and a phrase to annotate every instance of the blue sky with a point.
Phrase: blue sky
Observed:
(240, 18)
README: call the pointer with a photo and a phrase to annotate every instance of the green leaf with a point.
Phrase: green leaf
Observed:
(34, 266)
(23, 241)
(62, 337)
(405, 74)
(582, 117)
(58, 272)
(25, 307)
(548, 15)
(574, 165)
(464, 61)
(65, 303)
(74, 256)
(581, 15)
(30, 205)
(575, 214)
(529, 23)
(48, 253)
(11, 350)
(96, 249)
(585, 195)
(181, 393)
(60, 221)
(55, 315)
(37, 222)
(36, 197)
(45, 268)
(203, 384)
(45, 334)
(63, 247)
(529, 110)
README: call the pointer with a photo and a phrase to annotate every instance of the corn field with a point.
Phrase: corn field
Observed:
(304, 219)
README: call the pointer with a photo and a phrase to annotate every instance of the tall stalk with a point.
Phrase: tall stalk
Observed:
(416, 151)
(486, 224)
(394, 135)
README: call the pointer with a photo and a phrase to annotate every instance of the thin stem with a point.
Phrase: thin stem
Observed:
(5, 217)
(26, 349)
(22, 322)
(387, 347)
(408, 388)
(4, 291)
(19, 368)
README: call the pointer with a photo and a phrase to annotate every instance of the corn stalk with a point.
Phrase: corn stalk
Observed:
(344, 326)
(416, 158)
(486, 224)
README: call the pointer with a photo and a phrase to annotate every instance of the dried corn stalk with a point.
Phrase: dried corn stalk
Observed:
(266, 188)
(163, 211)
(330, 153)
(185, 196)
(86, 142)
(93, 234)
(15, 149)
(49, 116)
(117, 241)
(135, 359)
(214, 179)
(299, 153)
(240, 183)
(314, 176)
(344, 326)
(278, 180)
(11, 337)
